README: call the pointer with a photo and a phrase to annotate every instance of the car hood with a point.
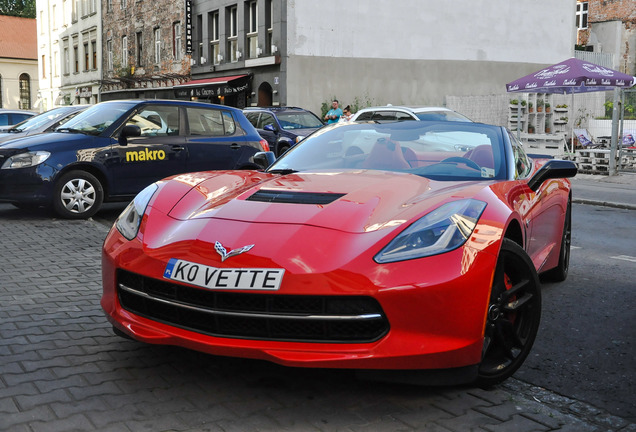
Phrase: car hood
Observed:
(42, 141)
(350, 201)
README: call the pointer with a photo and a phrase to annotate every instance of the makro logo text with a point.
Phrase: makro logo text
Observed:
(145, 155)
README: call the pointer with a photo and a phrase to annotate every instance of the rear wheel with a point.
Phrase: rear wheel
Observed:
(78, 195)
(560, 272)
(513, 317)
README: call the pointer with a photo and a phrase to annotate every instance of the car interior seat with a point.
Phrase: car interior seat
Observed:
(173, 124)
(482, 156)
(386, 154)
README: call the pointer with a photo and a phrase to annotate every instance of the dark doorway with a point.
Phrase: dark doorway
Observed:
(265, 94)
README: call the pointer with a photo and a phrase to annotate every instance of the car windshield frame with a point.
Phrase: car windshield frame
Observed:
(436, 150)
(97, 119)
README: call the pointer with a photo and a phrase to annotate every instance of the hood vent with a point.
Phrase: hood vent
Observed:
(290, 197)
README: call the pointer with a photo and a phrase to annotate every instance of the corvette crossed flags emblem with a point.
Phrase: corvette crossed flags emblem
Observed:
(224, 253)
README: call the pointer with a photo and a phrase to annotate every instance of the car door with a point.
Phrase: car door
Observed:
(159, 152)
(213, 139)
(541, 211)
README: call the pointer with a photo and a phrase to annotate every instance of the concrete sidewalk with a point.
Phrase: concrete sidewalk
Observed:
(612, 191)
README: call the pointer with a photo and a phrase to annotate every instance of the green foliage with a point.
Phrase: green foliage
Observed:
(19, 8)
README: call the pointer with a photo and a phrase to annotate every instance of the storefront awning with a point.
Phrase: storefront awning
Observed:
(211, 87)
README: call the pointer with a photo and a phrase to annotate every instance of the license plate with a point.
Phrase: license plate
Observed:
(224, 278)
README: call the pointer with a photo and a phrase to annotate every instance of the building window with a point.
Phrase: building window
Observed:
(53, 17)
(252, 30)
(124, 51)
(199, 39)
(65, 13)
(87, 56)
(157, 46)
(25, 91)
(176, 41)
(213, 35)
(139, 46)
(74, 6)
(122, 4)
(109, 54)
(66, 67)
(94, 52)
(75, 59)
(109, 5)
(581, 15)
(232, 40)
(43, 66)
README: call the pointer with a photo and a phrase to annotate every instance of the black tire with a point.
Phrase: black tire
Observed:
(77, 195)
(560, 272)
(282, 148)
(514, 313)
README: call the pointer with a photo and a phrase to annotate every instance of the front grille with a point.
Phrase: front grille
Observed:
(291, 197)
(333, 319)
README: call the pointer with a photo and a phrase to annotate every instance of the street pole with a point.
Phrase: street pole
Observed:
(613, 170)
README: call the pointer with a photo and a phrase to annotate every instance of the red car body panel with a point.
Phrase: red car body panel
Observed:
(330, 250)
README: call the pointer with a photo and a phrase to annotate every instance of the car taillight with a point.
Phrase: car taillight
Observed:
(264, 144)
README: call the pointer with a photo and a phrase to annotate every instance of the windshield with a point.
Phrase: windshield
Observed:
(438, 150)
(96, 119)
(298, 120)
(441, 115)
(42, 119)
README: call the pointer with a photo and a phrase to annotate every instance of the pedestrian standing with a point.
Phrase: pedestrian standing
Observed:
(334, 114)
(346, 114)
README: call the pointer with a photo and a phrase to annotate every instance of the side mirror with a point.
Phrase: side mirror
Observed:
(264, 159)
(128, 131)
(270, 127)
(552, 169)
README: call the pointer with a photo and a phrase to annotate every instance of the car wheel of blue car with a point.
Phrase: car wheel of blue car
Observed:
(513, 315)
(282, 148)
(78, 195)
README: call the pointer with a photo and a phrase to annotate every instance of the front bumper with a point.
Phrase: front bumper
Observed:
(33, 185)
(435, 308)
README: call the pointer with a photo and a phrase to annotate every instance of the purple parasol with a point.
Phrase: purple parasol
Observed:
(572, 76)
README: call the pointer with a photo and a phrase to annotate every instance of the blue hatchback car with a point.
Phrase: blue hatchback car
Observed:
(114, 149)
(283, 127)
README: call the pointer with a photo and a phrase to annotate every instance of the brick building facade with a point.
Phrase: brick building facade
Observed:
(145, 48)
(609, 26)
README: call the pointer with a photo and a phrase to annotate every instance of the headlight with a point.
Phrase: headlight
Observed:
(442, 230)
(130, 219)
(25, 160)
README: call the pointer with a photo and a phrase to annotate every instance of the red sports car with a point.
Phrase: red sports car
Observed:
(384, 247)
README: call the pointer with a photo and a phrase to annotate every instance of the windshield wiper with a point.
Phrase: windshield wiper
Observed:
(15, 130)
(283, 171)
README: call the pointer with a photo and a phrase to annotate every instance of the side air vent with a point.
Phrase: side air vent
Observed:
(291, 197)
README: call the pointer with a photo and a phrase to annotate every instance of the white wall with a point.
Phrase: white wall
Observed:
(538, 31)
(418, 52)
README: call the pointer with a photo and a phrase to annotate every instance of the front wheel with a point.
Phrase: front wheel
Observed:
(513, 316)
(78, 195)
